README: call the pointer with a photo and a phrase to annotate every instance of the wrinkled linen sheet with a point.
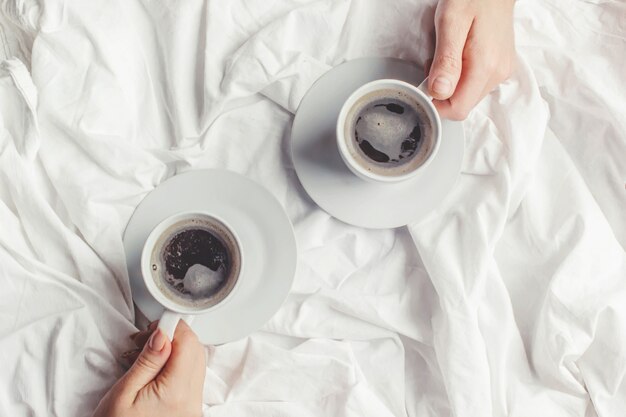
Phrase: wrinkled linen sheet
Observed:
(509, 300)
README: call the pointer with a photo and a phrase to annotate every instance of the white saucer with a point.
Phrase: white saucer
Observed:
(330, 183)
(267, 240)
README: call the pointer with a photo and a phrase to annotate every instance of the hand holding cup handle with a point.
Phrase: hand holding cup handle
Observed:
(169, 320)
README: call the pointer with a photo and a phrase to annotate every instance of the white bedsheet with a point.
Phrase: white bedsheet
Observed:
(509, 300)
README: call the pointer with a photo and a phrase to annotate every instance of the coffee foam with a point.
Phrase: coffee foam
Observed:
(391, 124)
(166, 282)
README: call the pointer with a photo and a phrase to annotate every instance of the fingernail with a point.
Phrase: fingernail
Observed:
(129, 353)
(157, 340)
(441, 85)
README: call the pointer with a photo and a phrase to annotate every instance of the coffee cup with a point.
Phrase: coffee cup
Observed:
(388, 130)
(191, 264)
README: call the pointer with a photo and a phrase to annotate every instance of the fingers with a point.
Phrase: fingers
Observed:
(141, 338)
(471, 89)
(186, 367)
(484, 67)
(474, 52)
(451, 27)
(128, 358)
(148, 364)
(151, 327)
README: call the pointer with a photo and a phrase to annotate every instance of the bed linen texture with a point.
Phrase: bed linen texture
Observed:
(508, 300)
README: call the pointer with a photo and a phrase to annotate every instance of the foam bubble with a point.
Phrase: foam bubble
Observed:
(202, 281)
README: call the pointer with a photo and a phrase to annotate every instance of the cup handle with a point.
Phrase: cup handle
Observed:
(423, 87)
(169, 321)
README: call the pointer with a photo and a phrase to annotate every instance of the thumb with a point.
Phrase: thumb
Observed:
(451, 33)
(149, 363)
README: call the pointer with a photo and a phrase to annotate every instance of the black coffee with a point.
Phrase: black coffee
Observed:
(196, 262)
(389, 133)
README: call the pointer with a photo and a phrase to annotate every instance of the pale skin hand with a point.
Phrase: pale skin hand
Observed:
(165, 379)
(475, 52)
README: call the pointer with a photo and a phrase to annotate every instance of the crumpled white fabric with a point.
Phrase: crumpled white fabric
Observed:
(509, 300)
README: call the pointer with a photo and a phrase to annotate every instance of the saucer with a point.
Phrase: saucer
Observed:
(333, 186)
(267, 242)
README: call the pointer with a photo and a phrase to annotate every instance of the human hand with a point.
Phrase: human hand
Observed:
(165, 379)
(475, 52)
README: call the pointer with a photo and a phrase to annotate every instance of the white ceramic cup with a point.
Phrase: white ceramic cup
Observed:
(174, 311)
(421, 97)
